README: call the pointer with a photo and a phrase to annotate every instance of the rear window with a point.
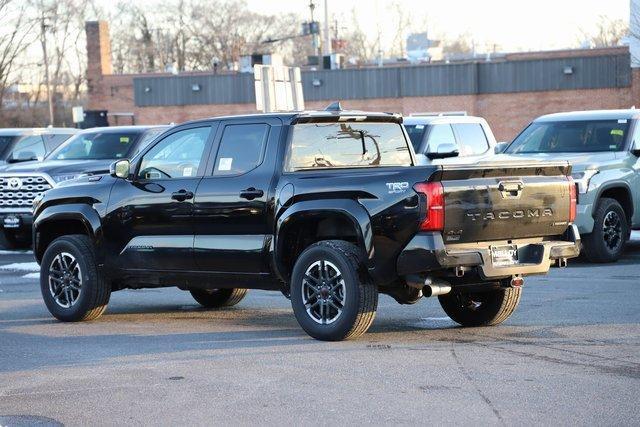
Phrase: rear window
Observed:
(471, 139)
(347, 145)
(571, 137)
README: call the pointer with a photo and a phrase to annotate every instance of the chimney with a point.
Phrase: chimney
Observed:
(98, 52)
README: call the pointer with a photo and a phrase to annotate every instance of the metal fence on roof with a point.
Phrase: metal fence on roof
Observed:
(587, 72)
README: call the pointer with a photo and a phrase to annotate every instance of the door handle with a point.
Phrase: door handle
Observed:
(182, 195)
(251, 193)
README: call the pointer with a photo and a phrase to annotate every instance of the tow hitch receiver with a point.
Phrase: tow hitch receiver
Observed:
(517, 281)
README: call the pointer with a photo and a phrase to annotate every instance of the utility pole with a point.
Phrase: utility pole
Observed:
(43, 39)
(314, 31)
(327, 35)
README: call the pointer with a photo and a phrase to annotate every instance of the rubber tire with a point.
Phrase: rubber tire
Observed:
(359, 311)
(497, 306)
(96, 291)
(593, 245)
(217, 298)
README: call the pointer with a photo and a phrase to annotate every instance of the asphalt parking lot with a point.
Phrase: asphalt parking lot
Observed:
(569, 355)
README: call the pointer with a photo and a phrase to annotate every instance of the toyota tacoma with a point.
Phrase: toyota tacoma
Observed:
(327, 207)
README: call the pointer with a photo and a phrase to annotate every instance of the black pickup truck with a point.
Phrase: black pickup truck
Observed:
(325, 206)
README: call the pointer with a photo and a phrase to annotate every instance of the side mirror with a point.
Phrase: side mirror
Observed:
(120, 169)
(635, 149)
(500, 147)
(443, 151)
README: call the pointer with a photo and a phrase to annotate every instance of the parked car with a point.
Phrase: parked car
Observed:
(454, 136)
(324, 206)
(88, 152)
(604, 149)
(28, 144)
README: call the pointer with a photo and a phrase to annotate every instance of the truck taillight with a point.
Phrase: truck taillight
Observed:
(434, 216)
(573, 200)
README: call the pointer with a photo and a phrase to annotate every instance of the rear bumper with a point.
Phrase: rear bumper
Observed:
(427, 253)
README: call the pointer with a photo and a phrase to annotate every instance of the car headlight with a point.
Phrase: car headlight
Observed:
(62, 178)
(583, 178)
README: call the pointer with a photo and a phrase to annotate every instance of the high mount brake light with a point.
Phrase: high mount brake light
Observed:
(434, 194)
(573, 199)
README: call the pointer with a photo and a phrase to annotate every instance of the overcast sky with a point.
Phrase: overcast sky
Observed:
(512, 24)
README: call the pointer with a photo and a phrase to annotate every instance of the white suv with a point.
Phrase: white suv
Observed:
(449, 135)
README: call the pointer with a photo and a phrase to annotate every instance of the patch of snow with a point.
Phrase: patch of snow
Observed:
(635, 235)
(31, 276)
(16, 252)
(21, 266)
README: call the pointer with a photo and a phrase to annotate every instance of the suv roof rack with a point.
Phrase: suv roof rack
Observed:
(439, 114)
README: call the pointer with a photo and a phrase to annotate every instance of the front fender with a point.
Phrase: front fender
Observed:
(350, 209)
(83, 213)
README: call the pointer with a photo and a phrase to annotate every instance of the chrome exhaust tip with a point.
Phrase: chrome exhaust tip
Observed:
(435, 287)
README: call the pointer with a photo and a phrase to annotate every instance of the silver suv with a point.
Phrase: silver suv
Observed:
(453, 136)
(604, 150)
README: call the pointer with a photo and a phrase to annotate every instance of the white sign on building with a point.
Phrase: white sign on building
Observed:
(278, 88)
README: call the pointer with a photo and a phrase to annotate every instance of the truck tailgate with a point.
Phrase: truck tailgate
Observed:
(486, 201)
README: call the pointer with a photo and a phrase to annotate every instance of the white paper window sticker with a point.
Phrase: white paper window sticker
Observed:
(187, 171)
(225, 163)
(419, 126)
(622, 120)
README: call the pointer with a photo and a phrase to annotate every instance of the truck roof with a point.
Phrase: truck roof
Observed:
(302, 116)
(630, 113)
(115, 129)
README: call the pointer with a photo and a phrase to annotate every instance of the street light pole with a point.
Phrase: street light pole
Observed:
(43, 36)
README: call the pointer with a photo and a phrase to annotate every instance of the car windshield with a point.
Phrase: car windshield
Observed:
(416, 133)
(96, 146)
(571, 137)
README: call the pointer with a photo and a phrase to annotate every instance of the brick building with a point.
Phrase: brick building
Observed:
(509, 91)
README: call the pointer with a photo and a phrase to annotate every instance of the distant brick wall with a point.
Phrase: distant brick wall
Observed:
(507, 113)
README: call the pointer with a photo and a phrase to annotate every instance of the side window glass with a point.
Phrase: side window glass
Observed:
(472, 139)
(53, 141)
(28, 148)
(145, 140)
(439, 135)
(240, 149)
(179, 155)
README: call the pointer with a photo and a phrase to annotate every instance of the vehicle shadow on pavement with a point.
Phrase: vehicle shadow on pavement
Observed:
(631, 255)
(73, 350)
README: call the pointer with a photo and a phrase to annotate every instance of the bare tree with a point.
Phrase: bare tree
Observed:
(15, 37)
(461, 45)
(608, 32)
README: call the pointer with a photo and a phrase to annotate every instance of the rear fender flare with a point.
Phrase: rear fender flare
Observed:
(353, 211)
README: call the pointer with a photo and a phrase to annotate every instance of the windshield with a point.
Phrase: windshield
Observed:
(95, 146)
(571, 137)
(416, 133)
